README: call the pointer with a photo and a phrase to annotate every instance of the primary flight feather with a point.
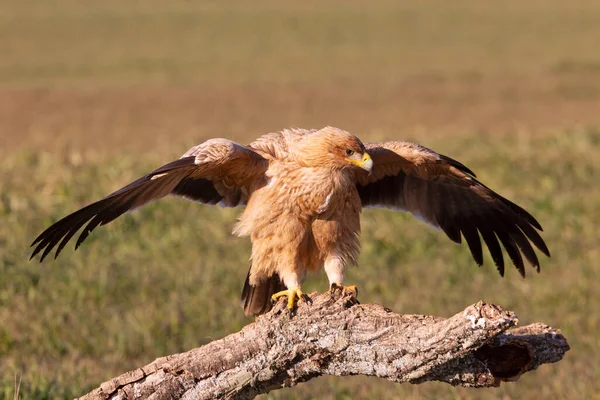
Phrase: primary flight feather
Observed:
(304, 191)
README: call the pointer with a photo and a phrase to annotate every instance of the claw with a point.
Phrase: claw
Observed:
(306, 298)
(351, 290)
(292, 294)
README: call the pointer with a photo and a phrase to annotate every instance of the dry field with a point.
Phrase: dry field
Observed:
(94, 95)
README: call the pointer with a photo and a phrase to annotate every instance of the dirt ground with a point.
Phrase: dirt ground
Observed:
(416, 108)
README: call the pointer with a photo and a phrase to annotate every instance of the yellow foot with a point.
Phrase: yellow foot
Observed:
(352, 290)
(292, 294)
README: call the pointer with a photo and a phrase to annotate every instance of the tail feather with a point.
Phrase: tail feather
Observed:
(256, 299)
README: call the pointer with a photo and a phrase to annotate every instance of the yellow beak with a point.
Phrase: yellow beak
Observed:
(365, 163)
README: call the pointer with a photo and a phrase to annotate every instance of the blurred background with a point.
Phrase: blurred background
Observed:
(95, 94)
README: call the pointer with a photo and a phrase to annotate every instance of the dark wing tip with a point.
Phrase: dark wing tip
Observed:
(107, 209)
(544, 249)
(40, 245)
(33, 254)
(516, 228)
(472, 238)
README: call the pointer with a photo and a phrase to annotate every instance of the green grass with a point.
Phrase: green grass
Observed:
(167, 277)
(67, 43)
(92, 96)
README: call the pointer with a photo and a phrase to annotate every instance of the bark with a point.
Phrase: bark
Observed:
(477, 347)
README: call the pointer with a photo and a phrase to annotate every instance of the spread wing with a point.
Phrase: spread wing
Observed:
(217, 171)
(445, 194)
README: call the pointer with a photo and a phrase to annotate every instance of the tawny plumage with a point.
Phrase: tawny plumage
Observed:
(304, 191)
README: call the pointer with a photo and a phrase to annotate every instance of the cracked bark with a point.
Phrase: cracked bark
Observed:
(478, 347)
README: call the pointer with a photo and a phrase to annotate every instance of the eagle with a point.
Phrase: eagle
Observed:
(303, 192)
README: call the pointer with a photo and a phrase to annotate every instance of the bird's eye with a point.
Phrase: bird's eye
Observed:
(349, 152)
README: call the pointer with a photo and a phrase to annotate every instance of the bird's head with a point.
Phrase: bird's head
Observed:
(335, 148)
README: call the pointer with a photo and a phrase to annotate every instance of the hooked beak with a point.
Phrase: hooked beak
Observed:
(365, 163)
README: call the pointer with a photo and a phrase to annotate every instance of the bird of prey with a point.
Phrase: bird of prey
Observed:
(303, 192)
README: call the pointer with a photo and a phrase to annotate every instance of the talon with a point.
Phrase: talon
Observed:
(352, 290)
(292, 294)
(306, 298)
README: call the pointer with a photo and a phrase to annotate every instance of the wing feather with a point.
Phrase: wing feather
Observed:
(491, 241)
(510, 247)
(469, 229)
(216, 172)
(444, 193)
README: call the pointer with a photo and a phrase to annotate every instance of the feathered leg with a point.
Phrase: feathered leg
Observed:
(334, 268)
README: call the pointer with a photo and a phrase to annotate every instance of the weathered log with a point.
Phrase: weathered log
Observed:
(338, 336)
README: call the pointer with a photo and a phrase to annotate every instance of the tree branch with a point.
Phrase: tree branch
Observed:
(338, 336)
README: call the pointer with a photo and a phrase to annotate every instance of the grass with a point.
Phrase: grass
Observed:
(92, 97)
(167, 278)
(269, 40)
